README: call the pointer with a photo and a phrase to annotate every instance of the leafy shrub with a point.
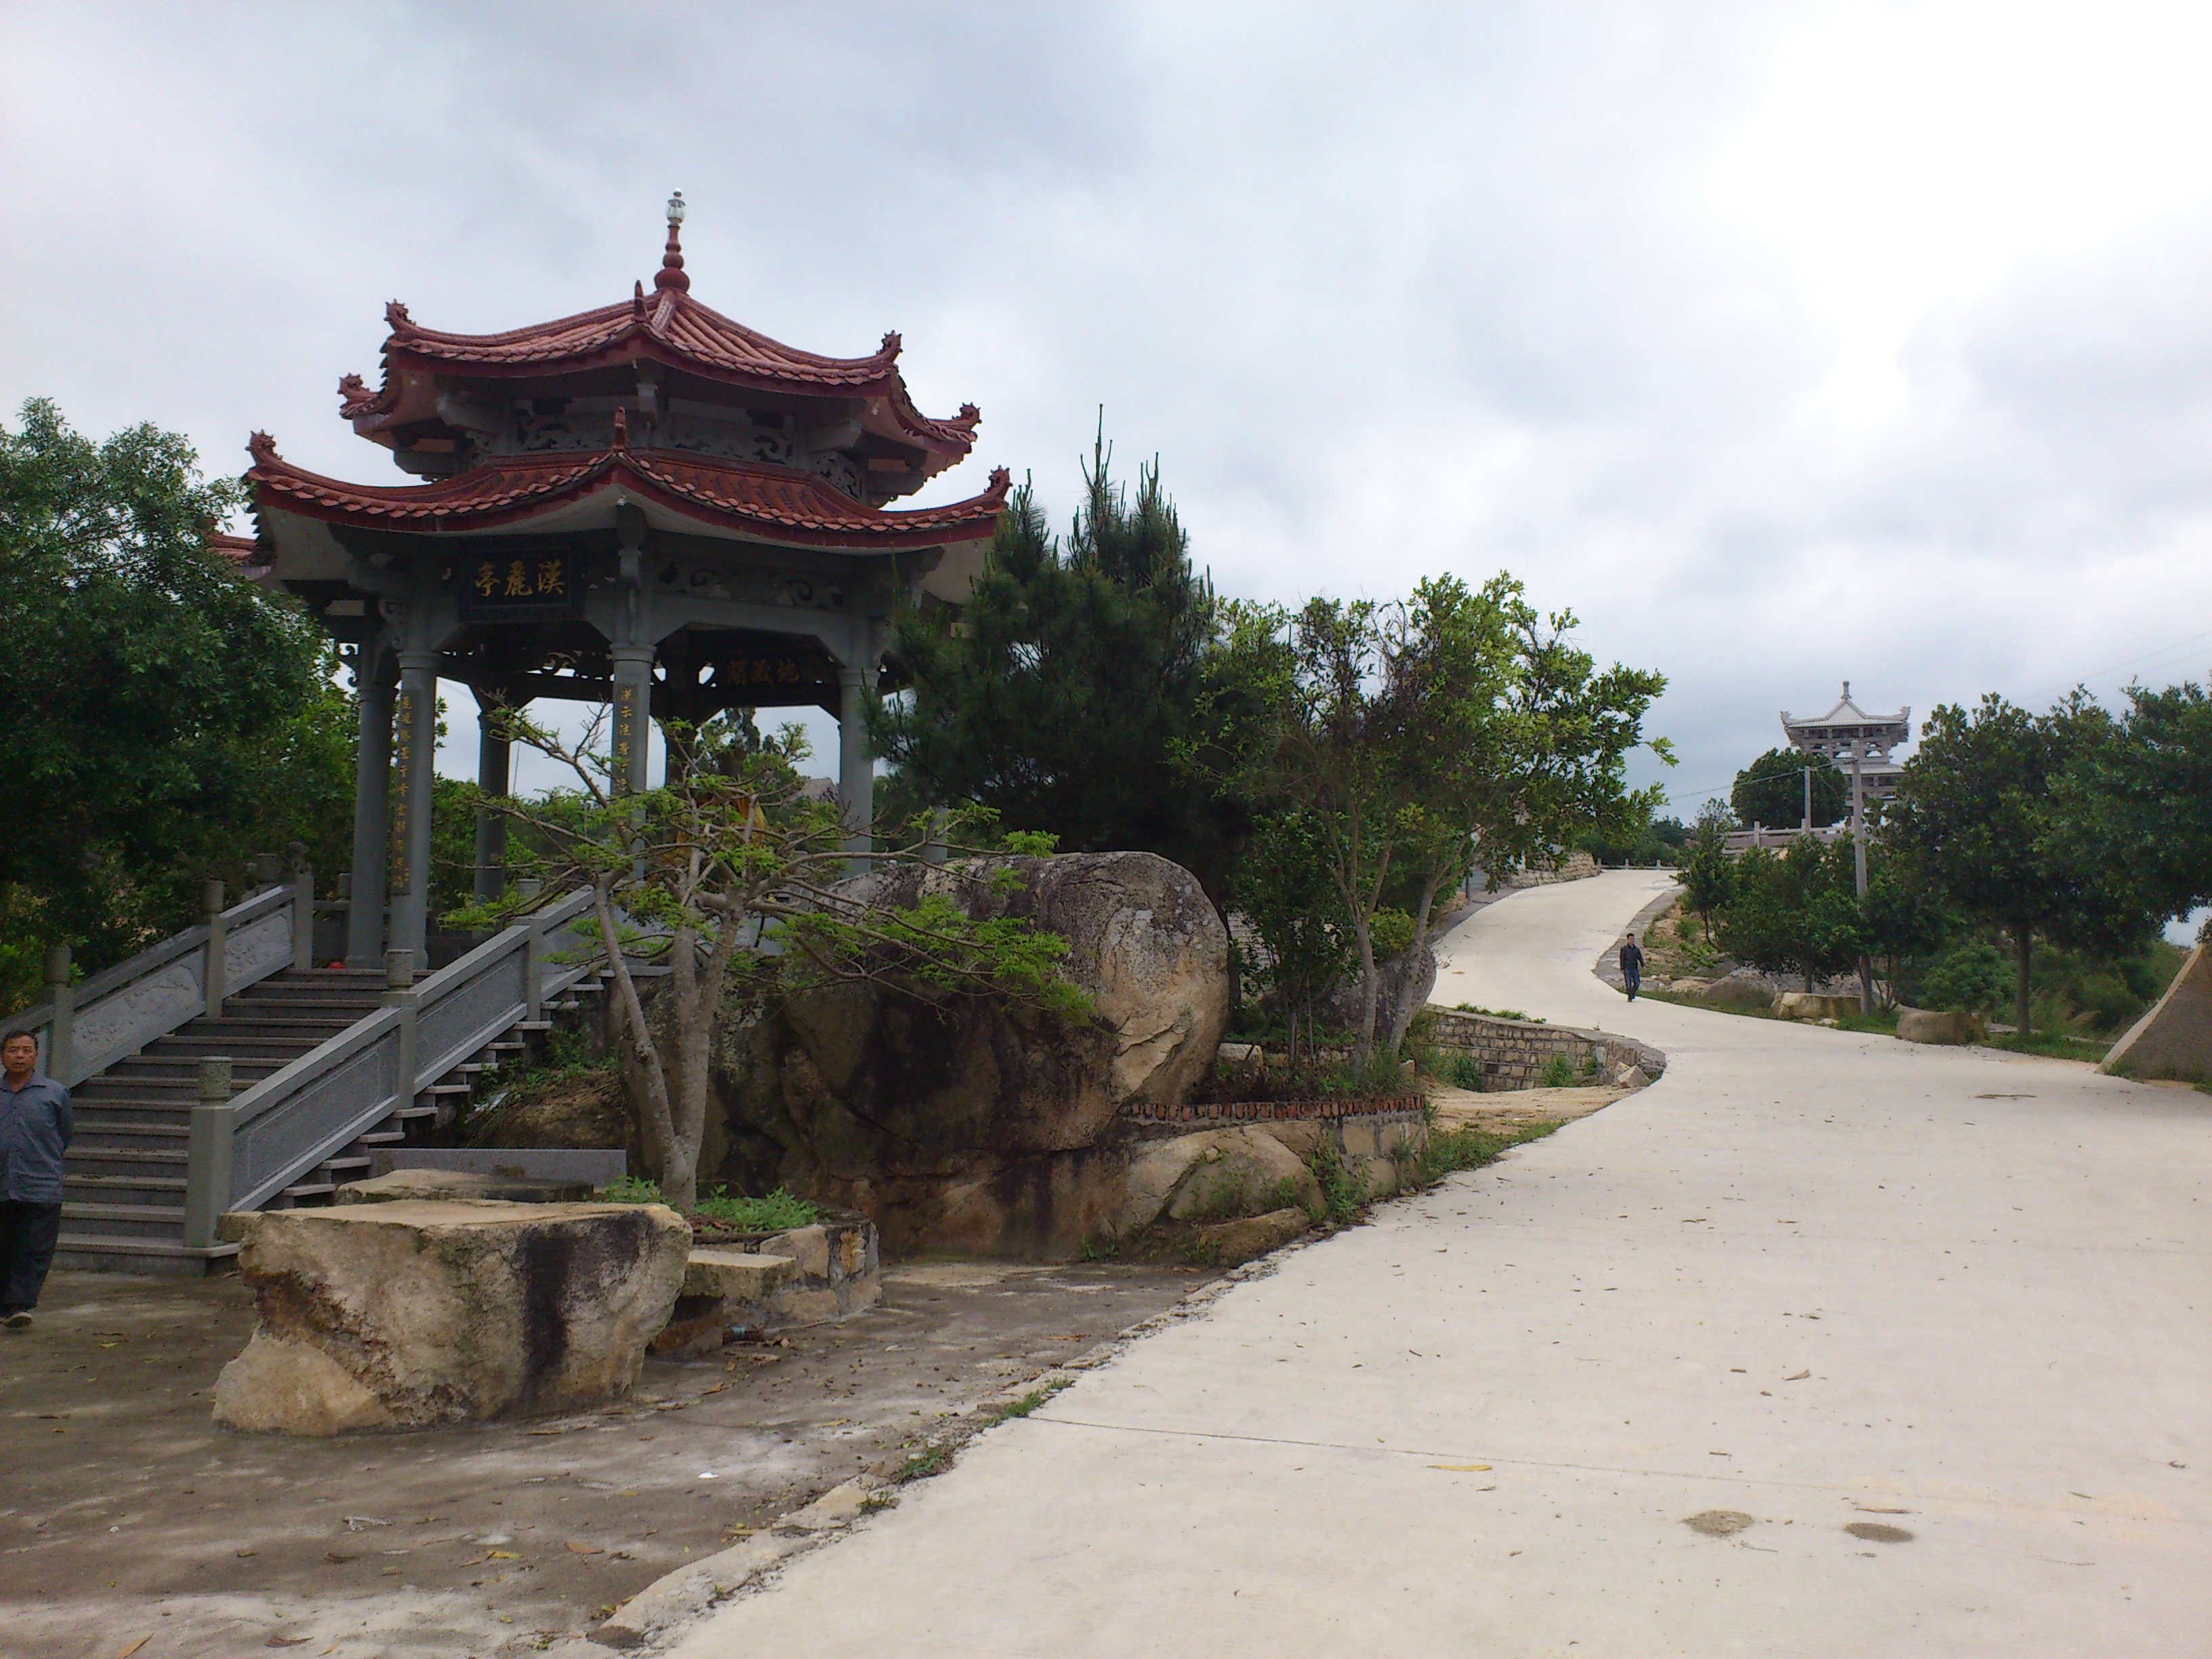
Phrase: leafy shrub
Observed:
(1391, 932)
(1973, 979)
(1558, 1072)
(778, 1213)
(1465, 1071)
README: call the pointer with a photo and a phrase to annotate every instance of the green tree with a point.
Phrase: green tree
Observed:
(1795, 911)
(2143, 803)
(730, 875)
(1771, 790)
(1282, 887)
(1981, 818)
(1420, 736)
(165, 719)
(1062, 695)
(1707, 872)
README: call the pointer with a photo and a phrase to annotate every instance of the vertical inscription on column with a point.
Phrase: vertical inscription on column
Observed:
(402, 800)
(625, 732)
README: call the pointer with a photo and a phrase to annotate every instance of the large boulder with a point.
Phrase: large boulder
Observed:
(1943, 1025)
(965, 1121)
(410, 1313)
(1213, 1176)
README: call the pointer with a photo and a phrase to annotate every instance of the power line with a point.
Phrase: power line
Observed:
(2085, 679)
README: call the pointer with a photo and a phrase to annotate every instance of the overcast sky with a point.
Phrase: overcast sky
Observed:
(1784, 344)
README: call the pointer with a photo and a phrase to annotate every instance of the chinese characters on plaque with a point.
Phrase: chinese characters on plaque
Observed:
(518, 584)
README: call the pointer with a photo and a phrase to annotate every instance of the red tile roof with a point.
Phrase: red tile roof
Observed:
(239, 550)
(773, 502)
(668, 326)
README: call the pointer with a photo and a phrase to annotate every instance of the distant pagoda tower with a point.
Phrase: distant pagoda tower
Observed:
(648, 506)
(1858, 743)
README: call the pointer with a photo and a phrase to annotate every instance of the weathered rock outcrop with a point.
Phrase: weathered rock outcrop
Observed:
(961, 1121)
(1212, 1175)
(406, 1315)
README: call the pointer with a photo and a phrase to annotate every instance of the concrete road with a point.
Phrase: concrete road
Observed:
(1959, 1300)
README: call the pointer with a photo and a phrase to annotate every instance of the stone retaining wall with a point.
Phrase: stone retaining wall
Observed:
(1576, 867)
(1513, 1053)
(1373, 1135)
(1219, 1114)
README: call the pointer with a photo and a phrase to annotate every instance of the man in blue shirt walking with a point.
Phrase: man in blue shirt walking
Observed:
(35, 1126)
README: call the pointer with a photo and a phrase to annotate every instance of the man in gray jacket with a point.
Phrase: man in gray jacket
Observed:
(35, 1126)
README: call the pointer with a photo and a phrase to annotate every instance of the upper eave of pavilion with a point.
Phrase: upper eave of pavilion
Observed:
(668, 327)
(1845, 713)
(767, 503)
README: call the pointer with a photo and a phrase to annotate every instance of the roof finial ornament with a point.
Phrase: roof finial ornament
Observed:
(1847, 690)
(671, 274)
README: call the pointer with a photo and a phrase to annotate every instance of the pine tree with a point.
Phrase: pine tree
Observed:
(1065, 697)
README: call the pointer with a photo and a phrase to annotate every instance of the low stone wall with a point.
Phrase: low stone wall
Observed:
(837, 1270)
(1576, 867)
(1513, 1053)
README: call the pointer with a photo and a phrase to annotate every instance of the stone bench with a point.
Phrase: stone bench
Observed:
(414, 1313)
(723, 1288)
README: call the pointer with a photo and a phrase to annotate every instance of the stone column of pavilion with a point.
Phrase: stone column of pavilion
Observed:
(648, 507)
(373, 672)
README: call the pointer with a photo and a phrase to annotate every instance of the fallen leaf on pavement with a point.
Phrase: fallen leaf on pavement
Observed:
(287, 1641)
(575, 1548)
(142, 1640)
(1797, 1376)
(337, 1559)
(1462, 1469)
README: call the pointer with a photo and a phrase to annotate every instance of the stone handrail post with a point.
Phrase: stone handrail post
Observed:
(533, 972)
(61, 997)
(303, 909)
(208, 1157)
(400, 993)
(211, 907)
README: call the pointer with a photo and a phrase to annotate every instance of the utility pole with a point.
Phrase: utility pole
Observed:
(1858, 869)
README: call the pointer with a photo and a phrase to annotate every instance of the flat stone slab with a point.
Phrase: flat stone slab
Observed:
(408, 1314)
(736, 1275)
(595, 1165)
(403, 1186)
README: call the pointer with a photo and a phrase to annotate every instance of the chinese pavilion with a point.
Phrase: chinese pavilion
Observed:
(1858, 743)
(648, 506)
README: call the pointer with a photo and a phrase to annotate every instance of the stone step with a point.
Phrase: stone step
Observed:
(127, 1220)
(120, 1160)
(281, 1046)
(86, 1249)
(124, 1136)
(131, 1191)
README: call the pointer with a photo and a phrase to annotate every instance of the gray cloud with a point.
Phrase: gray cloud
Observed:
(1407, 290)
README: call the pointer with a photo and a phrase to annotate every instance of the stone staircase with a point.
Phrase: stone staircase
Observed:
(124, 1184)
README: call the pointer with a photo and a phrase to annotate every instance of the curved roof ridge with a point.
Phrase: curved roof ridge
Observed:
(770, 500)
(673, 326)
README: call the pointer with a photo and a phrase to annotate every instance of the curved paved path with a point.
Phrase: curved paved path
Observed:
(1993, 1271)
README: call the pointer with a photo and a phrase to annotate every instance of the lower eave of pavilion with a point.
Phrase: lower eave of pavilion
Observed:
(775, 504)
